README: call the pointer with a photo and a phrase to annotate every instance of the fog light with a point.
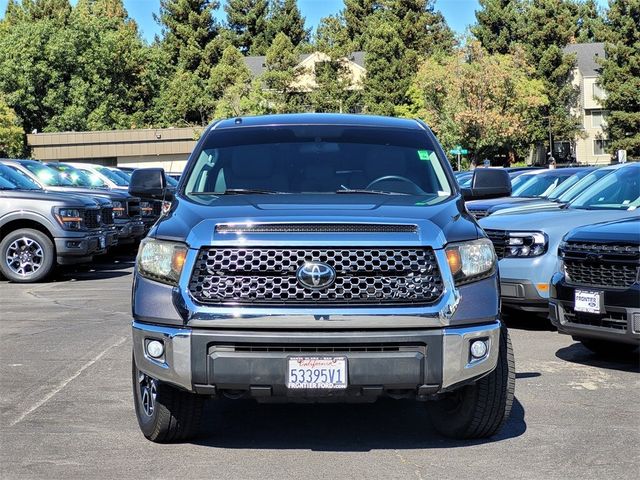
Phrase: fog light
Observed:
(478, 349)
(155, 349)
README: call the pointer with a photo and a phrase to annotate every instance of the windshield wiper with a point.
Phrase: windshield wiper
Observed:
(364, 190)
(238, 191)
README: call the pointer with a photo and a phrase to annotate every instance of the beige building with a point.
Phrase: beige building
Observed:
(591, 146)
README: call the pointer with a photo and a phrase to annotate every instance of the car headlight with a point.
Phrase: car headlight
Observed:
(70, 218)
(525, 244)
(118, 209)
(146, 208)
(471, 261)
(161, 260)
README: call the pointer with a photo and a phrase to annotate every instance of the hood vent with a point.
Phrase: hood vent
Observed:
(315, 228)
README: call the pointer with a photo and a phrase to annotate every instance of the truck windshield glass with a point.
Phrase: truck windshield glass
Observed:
(539, 185)
(318, 159)
(47, 175)
(581, 185)
(618, 191)
(14, 180)
(80, 178)
(111, 175)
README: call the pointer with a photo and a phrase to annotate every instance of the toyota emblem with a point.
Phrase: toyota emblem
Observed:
(316, 275)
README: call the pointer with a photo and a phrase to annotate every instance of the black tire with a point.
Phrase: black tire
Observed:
(606, 348)
(481, 409)
(38, 245)
(176, 413)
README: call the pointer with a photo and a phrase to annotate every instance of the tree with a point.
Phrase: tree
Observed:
(621, 76)
(480, 100)
(281, 76)
(499, 24)
(389, 65)
(248, 20)
(591, 23)
(285, 17)
(230, 84)
(11, 133)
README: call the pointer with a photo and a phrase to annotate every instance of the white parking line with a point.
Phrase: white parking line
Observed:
(65, 382)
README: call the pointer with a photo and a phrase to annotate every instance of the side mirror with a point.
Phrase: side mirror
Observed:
(148, 183)
(488, 183)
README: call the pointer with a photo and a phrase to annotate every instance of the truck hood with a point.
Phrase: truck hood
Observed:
(625, 231)
(57, 199)
(119, 195)
(553, 222)
(438, 221)
(487, 204)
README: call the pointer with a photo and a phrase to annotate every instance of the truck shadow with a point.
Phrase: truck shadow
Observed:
(386, 424)
(101, 268)
(577, 353)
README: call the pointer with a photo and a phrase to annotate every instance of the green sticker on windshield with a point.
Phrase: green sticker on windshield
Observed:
(423, 154)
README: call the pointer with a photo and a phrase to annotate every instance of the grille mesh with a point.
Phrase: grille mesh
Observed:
(364, 276)
(316, 228)
(107, 215)
(91, 218)
(611, 320)
(601, 265)
(499, 240)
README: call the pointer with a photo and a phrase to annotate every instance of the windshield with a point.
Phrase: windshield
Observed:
(123, 175)
(12, 180)
(566, 185)
(539, 185)
(172, 182)
(47, 175)
(111, 175)
(618, 191)
(318, 159)
(580, 186)
(80, 178)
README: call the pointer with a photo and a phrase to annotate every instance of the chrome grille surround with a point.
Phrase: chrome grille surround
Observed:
(315, 228)
(390, 276)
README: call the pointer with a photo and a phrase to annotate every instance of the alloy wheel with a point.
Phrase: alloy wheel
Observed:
(24, 256)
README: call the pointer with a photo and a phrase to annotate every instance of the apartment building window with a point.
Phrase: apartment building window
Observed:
(598, 92)
(598, 118)
(600, 147)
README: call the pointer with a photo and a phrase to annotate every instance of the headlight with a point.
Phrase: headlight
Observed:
(118, 209)
(70, 218)
(471, 260)
(161, 261)
(525, 244)
(146, 208)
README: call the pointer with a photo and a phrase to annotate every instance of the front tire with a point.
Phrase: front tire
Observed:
(481, 409)
(165, 413)
(26, 256)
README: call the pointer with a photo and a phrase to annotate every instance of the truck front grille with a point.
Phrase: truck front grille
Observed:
(91, 218)
(363, 276)
(499, 240)
(107, 215)
(315, 228)
(133, 208)
(601, 265)
(610, 320)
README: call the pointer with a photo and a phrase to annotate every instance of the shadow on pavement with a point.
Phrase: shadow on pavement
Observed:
(386, 424)
(577, 353)
(527, 321)
(102, 267)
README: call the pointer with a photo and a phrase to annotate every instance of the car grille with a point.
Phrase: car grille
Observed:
(91, 218)
(133, 208)
(107, 215)
(478, 214)
(601, 265)
(316, 228)
(363, 276)
(321, 348)
(611, 320)
(499, 240)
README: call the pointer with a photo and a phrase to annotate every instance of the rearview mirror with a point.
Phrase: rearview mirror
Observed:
(148, 183)
(488, 183)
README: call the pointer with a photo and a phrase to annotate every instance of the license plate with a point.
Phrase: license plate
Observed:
(103, 242)
(317, 372)
(589, 301)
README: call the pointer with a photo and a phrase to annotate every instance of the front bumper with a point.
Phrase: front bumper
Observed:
(77, 246)
(130, 230)
(421, 362)
(522, 295)
(620, 321)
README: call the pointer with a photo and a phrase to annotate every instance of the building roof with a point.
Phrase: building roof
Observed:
(586, 57)
(257, 63)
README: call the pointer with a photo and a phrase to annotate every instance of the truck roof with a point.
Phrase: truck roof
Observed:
(318, 119)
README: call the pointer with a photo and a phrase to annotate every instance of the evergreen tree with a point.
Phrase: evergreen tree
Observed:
(389, 65)
(281, 76)
(229, 84)
(499, 24)
(248, 20)
(621, 76)
(11, 133)
(591, 23)
(356, 15)
(285, 17)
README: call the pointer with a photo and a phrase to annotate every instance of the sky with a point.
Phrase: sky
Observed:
(458, 13)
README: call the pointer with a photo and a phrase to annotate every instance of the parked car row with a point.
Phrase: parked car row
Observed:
(572, 251)
(64, 213)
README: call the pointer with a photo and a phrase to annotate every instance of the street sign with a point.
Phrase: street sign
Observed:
(459, 151)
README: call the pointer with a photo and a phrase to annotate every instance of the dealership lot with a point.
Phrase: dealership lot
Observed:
(67, 410)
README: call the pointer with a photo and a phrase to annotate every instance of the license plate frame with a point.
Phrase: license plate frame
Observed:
(332, 369)
(103, 241)
(589, 301)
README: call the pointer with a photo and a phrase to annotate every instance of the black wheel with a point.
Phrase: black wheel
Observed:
(27, 256)
(165, 414)
(606, 348)
(479, 410)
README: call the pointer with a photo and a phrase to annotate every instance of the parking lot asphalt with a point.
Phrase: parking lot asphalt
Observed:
(67, 408)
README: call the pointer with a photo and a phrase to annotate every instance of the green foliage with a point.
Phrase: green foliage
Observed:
(480, 100)
(230, 84)
(281, 76)
(11, 133)
(285, 17)
(621, 76)
(248, 20)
